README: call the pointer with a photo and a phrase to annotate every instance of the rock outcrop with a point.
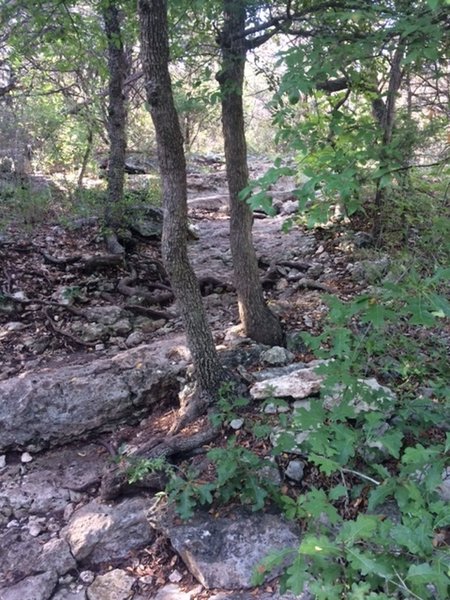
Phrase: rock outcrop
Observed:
(56, 405)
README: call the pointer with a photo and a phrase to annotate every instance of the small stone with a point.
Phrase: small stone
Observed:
(144, 324)
(15, 326)
(134, 339)
(363, 239)
(295, 469)
(301, 404)
(114, 585)
(175, 576)
(75, 496)
(2, 461)
(308, 321)
(121, 327)
(270, 409)
(87, 576)
(26, 457)
(299, 384)
(281, 285)
(34, 529)
(315, 271)
(19, 295)
(236, 423)
(171, 591)
(277, 356)
(99, 347)
(68, 511)
(13, 523)
(146, 580)
(444, 489)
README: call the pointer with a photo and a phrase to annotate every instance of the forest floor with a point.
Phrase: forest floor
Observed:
(51, 278)
(52, 288)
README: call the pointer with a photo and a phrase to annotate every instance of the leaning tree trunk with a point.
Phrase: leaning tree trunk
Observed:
(385, 112)
(258, 321)
(117, 118)
(172, 164)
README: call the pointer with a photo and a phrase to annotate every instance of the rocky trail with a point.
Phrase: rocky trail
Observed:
(93, 358)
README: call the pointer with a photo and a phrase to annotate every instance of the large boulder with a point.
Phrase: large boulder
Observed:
(59, 404)
(224, 552)
(98, 533)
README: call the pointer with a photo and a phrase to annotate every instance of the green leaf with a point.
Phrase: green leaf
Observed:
(297, 576)
(420, 575)
(410, 539)
(392, 441)
(363, 528)
(368, 564)
(326, 465)
(204, 493)
(310, 418)
(268, 564)
(379, 494)
(318, 545)
(338, 491)
(185, 503)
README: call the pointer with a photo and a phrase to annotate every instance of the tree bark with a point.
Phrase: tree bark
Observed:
(117, 118)
(172, 165)
(258, 321)
(385, 113)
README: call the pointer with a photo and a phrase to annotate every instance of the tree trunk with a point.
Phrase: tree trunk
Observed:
(172, 165)
(117, 118)
(385, 113)
(86, 155)
(258, 321)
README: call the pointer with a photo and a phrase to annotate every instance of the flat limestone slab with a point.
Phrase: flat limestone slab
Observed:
(60, 404)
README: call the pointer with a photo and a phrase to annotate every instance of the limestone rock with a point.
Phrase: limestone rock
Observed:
(294, 470)
(105, 315)
(280, 371)
(100, 533)
(63, 593)
(56, 405)
(223, 552)
(444, 489)
(37, 587)
(260, 595)
(276, 356)
(370, 385)
(172, 592)
(114, 585)
(23, 556)
(299, 384)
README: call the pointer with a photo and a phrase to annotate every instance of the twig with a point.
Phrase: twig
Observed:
(362, 475)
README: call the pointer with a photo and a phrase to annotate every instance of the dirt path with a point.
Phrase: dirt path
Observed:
(40, 493)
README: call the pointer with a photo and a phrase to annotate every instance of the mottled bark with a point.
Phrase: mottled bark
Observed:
(172, 165)
(117, 118)
(258, 321)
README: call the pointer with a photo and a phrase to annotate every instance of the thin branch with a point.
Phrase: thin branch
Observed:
(362, 475)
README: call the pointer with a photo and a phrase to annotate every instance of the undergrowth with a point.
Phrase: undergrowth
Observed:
(377, 526)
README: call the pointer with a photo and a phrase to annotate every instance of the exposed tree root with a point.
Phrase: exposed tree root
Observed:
(208, 283)
(87, 264)
(115, 478)
(150, 312)
(124, 287)
(69, 336)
